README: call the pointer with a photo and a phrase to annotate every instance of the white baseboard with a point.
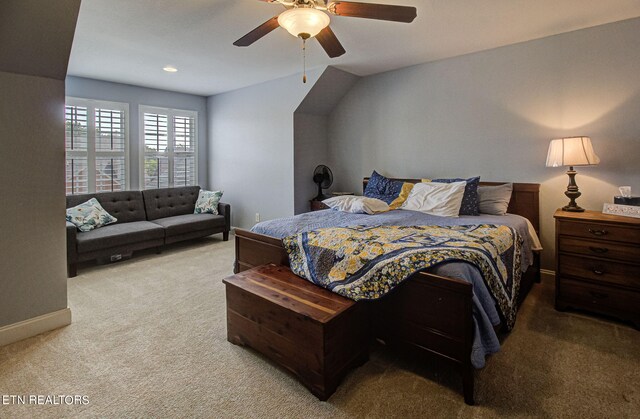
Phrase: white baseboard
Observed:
(31, 327)
(547, 275)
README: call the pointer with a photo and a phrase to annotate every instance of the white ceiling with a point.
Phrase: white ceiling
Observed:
(129, 41)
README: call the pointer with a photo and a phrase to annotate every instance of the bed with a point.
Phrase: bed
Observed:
(432, 313)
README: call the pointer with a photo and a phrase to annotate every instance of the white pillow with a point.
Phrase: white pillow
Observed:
(435, 198)
(356, 204)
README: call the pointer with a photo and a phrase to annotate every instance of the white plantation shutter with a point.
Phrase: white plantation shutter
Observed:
(76, 127)
(110, 173)
(156, 172)
(97, 144)
(156, 146)
(184, 167)
(156, 135)
(184, 170)
(77, 176)
(170, 147)
(111, 147)
(110, 129)
(184, 134)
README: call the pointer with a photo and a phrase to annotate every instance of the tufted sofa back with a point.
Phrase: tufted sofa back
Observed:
(167, 202)
(126, 206)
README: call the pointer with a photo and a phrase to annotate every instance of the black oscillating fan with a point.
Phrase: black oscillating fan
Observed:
(323, 177)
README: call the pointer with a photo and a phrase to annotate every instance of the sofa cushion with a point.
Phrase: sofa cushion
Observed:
(168, 202)
(126, 206)
(188, 223)
(118, 235)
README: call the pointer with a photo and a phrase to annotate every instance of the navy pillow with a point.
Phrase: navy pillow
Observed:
(383, 188)
(470, 201)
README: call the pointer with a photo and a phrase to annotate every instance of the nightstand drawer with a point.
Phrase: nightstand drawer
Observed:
(600, 270)
(604, 249)
(599, 298)
(600, 231)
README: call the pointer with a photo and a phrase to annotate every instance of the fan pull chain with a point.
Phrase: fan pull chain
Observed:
(304, 60)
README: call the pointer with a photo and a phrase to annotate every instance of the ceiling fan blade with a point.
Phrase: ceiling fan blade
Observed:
(257, 33)
(330, 43)
(373, 11)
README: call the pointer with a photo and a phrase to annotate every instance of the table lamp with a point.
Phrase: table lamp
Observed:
(572, 151)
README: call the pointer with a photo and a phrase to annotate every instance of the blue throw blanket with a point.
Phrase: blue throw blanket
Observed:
(367, 262)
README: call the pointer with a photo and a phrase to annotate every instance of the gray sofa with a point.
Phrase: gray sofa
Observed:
(146, 219)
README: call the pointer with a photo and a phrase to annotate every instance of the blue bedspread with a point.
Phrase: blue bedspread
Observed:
(485, 313)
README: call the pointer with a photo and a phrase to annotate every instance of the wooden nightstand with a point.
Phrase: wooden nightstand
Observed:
(598, 264)
(317, 205)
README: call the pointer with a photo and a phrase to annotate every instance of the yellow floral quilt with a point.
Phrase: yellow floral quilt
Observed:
(365, 263)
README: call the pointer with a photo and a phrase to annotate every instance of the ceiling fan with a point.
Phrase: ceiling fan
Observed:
(309, 18)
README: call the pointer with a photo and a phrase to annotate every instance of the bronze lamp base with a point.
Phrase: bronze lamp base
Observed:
(572, 192)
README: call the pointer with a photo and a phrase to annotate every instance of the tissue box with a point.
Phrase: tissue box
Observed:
(623, 200)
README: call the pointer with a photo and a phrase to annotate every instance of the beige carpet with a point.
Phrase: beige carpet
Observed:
(148, 340)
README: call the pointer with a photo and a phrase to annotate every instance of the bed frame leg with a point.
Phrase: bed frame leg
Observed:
(467, 384)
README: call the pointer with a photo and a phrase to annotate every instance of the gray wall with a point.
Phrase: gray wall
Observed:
(251, 150)
(32, 68)
(310, 131)
(493, 113)
(136, 96)
(310, 150)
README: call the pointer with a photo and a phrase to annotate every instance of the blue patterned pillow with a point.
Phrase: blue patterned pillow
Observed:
(89, 215)
(383, 188)
(470, 201)
(207, 202)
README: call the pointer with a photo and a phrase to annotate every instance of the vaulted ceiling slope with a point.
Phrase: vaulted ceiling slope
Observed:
(44, 51)
(131, 41)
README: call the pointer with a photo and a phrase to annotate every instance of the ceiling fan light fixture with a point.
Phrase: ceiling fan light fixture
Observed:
(304, 21)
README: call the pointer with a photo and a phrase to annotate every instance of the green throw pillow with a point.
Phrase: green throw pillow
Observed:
(207, 202)
(89, 215)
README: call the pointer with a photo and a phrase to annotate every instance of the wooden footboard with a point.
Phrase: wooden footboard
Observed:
(430, 314)
(254, 249)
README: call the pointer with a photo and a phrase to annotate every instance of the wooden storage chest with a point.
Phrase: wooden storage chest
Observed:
(315, 334)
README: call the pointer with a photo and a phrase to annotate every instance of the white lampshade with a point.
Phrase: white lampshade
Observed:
(572, 151)
(305, 20)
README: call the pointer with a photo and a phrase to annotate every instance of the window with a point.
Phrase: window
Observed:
(96, 143)
(170, 152)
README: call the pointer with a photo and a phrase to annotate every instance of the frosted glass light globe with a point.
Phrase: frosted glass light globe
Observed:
(303, 20)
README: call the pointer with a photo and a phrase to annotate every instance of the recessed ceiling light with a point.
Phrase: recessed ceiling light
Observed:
(170, 69)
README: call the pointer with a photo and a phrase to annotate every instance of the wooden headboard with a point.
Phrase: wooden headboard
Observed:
(525, 199)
